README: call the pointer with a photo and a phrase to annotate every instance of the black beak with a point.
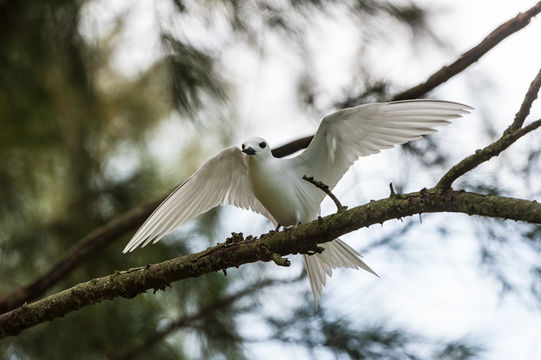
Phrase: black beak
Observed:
(249, 150)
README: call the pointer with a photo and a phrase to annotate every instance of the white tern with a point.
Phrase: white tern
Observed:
(252, 178)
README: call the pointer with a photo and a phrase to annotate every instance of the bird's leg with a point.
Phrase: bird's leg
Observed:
(326, 190)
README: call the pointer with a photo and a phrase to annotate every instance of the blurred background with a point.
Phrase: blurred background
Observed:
(105, 106)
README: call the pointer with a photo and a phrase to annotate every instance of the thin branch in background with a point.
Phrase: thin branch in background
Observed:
(204, 311)
(509, 136)
(84, 248)
(480, 156)
(471, 56)
(94, 242)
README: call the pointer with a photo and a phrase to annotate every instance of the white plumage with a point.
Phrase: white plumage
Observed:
(254, 179)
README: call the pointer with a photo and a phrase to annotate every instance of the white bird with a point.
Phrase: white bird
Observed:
(252, 178)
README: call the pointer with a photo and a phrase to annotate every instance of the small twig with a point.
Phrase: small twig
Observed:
(529, 98)
(326, 190)
(509, 136)
(392, 189)
(393, 195)
(480, 156)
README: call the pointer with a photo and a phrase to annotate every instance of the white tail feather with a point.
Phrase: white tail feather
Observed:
(336, 254)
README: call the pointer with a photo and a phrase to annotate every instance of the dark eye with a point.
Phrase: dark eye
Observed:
(243, 146)
(262, 145)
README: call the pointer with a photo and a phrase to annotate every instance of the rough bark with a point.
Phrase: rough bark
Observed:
(237, 251)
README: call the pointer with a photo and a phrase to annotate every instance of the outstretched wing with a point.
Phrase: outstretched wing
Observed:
(345, 135)
(222, 180)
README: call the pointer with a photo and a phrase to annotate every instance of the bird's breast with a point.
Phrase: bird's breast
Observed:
(280, 191)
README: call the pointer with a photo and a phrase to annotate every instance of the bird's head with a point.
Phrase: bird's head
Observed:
(257, 148)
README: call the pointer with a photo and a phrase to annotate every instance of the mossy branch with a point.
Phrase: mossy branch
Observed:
(299, 239)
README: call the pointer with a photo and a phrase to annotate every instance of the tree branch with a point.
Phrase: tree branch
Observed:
(480, 156)
(469, 57)
(84, 248)
(204, 311)
(524, 110)
(299, 239)
(509, 136)
(292, 147)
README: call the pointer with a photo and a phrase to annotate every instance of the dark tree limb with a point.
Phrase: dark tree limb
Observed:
(88, 245)
(471, 56)
(299, 239)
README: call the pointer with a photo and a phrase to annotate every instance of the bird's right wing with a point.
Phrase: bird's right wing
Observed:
(222, 180)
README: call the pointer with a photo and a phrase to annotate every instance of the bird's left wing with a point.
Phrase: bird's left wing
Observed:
(345, 135)
(222, 180)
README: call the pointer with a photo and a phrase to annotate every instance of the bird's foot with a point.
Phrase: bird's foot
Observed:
(318, 250)
(235, 238)
(288, 228)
